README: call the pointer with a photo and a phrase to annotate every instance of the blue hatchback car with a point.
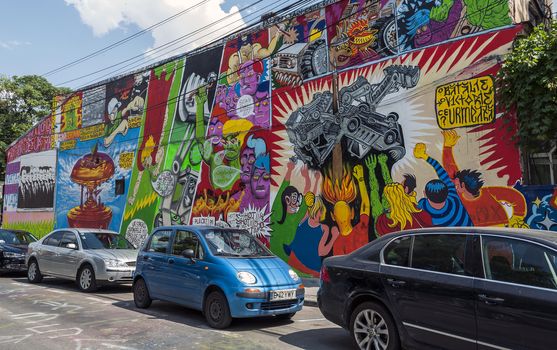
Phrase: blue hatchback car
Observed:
(226, 273)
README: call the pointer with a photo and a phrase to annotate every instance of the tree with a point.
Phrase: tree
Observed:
(23, 102)
(527, 82)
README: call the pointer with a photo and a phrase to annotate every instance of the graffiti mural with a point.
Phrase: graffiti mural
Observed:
(392, 175)
(426, 22)
(302, 50)
(29, 183)
(360, 31)
(234, 185)
(155, 101)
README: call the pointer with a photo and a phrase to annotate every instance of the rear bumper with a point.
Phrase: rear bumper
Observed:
(242, 305)
(331, 309)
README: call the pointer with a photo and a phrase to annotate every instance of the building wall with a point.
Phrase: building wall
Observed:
(252, 134)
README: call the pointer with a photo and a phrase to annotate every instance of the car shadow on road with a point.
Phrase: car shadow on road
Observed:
(67, 285)
(320, 338)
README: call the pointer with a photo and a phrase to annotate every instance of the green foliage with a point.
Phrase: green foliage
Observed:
(488, 14)
(441, 13)
(23, 102)
(528, 82)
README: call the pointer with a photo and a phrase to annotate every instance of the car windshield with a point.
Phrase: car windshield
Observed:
(104, 240)
(16, 237)
(234, 243)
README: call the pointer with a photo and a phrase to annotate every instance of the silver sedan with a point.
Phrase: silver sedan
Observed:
(88, 256)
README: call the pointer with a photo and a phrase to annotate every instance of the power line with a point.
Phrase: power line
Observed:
(155, 58)
(122, 41)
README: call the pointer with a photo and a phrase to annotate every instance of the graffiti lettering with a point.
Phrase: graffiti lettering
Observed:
(465, 103)
(125, 160)
(92, 132)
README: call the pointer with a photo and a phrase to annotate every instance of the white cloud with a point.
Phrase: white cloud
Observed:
(12, 44)
(104, 16)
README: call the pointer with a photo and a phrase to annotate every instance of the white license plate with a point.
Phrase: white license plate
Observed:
(286, 294)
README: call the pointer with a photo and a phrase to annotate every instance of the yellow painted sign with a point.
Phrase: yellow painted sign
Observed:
(66, 145)
(465, 103)
(92, 132)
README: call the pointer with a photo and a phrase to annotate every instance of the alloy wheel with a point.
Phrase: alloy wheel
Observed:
(85, 279)
(371, 330)
(32, 271)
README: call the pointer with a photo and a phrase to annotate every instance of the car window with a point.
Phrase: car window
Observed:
(16, 237)
(398, 251)
(69, 237)
(518, 261)
(440, 253)
(187, 240)
(54, 239)
(159, 242)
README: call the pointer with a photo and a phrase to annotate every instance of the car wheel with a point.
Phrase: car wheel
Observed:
(33, 272)
(216, 310)
(86, 279)
(372, 327)
(141, 296)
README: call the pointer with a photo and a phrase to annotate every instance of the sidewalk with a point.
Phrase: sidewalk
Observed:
(312, 286)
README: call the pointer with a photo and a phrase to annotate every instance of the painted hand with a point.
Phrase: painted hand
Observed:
(358, 172)
(290, 165)
(420, 151)
(450, 138)
(371, 162)
(382, 158)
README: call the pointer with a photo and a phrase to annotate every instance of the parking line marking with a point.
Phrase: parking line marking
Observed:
(311, 320)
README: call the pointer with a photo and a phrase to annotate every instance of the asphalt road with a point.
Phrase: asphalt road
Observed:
(55, 315)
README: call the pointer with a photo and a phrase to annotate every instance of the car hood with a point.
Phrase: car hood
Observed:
(268, 271)
(116, 254)
(14, 248)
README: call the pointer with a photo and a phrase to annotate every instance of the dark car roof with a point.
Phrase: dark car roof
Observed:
(541, 236)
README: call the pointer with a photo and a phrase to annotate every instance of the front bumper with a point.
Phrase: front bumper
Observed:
(256, 304)
(13, 264)
(116, 275)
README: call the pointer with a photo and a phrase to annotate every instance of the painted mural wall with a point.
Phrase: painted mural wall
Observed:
(30, 181)
(317, 133)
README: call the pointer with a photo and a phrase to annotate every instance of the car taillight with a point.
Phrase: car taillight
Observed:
(324, 275)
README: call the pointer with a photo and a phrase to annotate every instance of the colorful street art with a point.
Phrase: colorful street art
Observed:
(361, 31)
(317, 133)
(427, 22)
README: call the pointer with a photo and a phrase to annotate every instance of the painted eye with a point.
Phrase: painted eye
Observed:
(251, 161)
(266, 177)
(255, 177)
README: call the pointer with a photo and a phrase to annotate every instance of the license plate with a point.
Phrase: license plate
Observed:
(286, 294)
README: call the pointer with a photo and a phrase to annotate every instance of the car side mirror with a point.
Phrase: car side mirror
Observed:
(71, 246)
(188, 253)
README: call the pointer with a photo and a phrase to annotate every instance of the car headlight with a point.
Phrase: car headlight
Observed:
(114, 263)
(13, 255)
(246, 277)
(293, 275)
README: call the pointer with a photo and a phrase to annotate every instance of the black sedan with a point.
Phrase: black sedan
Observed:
(13, 247)
(446, 288)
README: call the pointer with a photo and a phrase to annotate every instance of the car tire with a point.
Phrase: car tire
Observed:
(33, 272)
(371, 322)
(141, 296)
(216, 310)
(86, 281)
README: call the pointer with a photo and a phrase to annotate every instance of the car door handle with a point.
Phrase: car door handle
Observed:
(490, 300)
(171, 261)
(396, 283)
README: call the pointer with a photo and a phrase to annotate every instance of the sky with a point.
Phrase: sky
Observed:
(38, 36)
